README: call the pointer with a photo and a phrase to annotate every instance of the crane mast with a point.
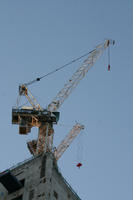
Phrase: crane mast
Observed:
(44, 119)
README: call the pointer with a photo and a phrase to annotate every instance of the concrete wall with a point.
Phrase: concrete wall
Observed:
(42, 181)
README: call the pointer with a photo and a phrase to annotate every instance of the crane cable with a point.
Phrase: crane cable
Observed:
(69, 63)
(57, 69)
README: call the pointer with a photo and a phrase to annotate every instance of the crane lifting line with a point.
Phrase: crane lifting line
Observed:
(59, 68)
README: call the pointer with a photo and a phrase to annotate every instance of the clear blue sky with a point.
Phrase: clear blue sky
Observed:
(37, 37)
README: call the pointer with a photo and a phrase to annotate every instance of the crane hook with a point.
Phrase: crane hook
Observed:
(79, 165)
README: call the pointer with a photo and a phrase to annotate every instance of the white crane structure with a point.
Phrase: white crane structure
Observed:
(68, 140)
(65, 143)
(78, 75)
(45, 118)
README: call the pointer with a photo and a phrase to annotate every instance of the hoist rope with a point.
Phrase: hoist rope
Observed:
(57, 69)
(80, 147)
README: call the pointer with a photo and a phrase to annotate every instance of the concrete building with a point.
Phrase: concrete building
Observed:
(35, 179)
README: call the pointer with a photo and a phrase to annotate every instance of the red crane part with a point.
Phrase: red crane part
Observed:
(109, 67)
(79, 165)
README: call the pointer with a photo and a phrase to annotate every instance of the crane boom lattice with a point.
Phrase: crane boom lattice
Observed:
(68, 140)
(78, 75)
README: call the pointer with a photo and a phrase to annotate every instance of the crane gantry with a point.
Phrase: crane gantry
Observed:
(44, 119)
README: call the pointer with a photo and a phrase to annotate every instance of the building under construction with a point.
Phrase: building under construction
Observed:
(35, 179)
(39, 177)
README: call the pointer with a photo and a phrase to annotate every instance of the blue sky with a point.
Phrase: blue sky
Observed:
(38, 36)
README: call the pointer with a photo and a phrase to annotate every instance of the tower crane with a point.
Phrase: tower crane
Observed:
(44, 119)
